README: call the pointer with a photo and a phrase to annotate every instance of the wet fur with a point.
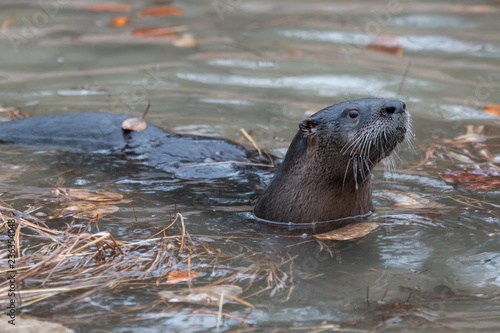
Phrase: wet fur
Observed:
(326, 172)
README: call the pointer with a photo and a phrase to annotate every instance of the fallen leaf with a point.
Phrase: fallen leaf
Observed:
(154, 32)
(25, 324)
(203, 295)
(480, 179)
(349, 232)
(83, 210)
(492, 109)
(160, 11)
(410, 199)
(134, 124)
(81, 203)
(181, 276)
(120, 21)
(186, 40)
(386, 43)
(88, 195)
(110, 8)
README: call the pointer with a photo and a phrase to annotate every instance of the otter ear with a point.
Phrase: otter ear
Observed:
(308, 127)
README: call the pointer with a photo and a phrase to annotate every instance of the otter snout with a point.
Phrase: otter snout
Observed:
(394, 107)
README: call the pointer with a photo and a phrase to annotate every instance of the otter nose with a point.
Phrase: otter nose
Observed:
(394, 106)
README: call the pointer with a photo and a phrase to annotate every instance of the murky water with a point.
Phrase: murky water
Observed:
(262, 66)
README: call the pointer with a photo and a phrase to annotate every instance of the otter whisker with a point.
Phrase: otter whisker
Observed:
(353, 145)
(355, 170)
(362, 169)
(389, 166)
(346, 170)
(368, 166)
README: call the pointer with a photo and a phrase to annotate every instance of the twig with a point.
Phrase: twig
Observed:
(219, 315)
(183, 231)
(428, 154)
(403, 79)
(252, 141)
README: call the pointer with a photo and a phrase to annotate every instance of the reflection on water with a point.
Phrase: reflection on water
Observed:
(263, 67)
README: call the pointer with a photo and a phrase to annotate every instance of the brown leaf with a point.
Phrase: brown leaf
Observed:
(410, 199)
(492, 109)
(26, 324)
(480, 179)
(181, 276)
(160, 11)
(134, 124)
(88, 195)
(110, 8)
(154, 32)
(386, 43)
(120, 21)
(202, 295)
(349, 232)
(83, 210)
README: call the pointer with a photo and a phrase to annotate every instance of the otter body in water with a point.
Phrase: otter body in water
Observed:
(325, 174)
(101, 132)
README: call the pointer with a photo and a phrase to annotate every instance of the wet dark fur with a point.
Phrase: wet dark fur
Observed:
(326, 172)
(92, 132)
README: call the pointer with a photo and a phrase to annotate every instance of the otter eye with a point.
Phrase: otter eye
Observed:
(353, 114)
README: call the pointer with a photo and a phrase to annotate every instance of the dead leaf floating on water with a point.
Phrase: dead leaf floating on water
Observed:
(386, 43)
(83, 210)
(88, 195)
(120, 21)
(175, 277)
(410, 199)
(349, 232)
(81, 203)
(136, 124)
(492, 109)
(480, 179)
(154, 32)
(29, 324)
(161, 11)
(203, 295)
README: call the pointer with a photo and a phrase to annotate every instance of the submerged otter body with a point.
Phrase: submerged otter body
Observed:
(325, 174)
(101, 132)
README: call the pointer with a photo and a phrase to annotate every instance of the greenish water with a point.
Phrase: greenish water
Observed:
(262, 66)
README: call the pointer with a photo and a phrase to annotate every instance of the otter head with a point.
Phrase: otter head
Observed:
(326, 172)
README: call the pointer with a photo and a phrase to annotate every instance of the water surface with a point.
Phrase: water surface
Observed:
(264, 66)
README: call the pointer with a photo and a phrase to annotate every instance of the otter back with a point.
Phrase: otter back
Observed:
(102, 131)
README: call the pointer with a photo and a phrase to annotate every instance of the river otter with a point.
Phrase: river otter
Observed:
(325, 174)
